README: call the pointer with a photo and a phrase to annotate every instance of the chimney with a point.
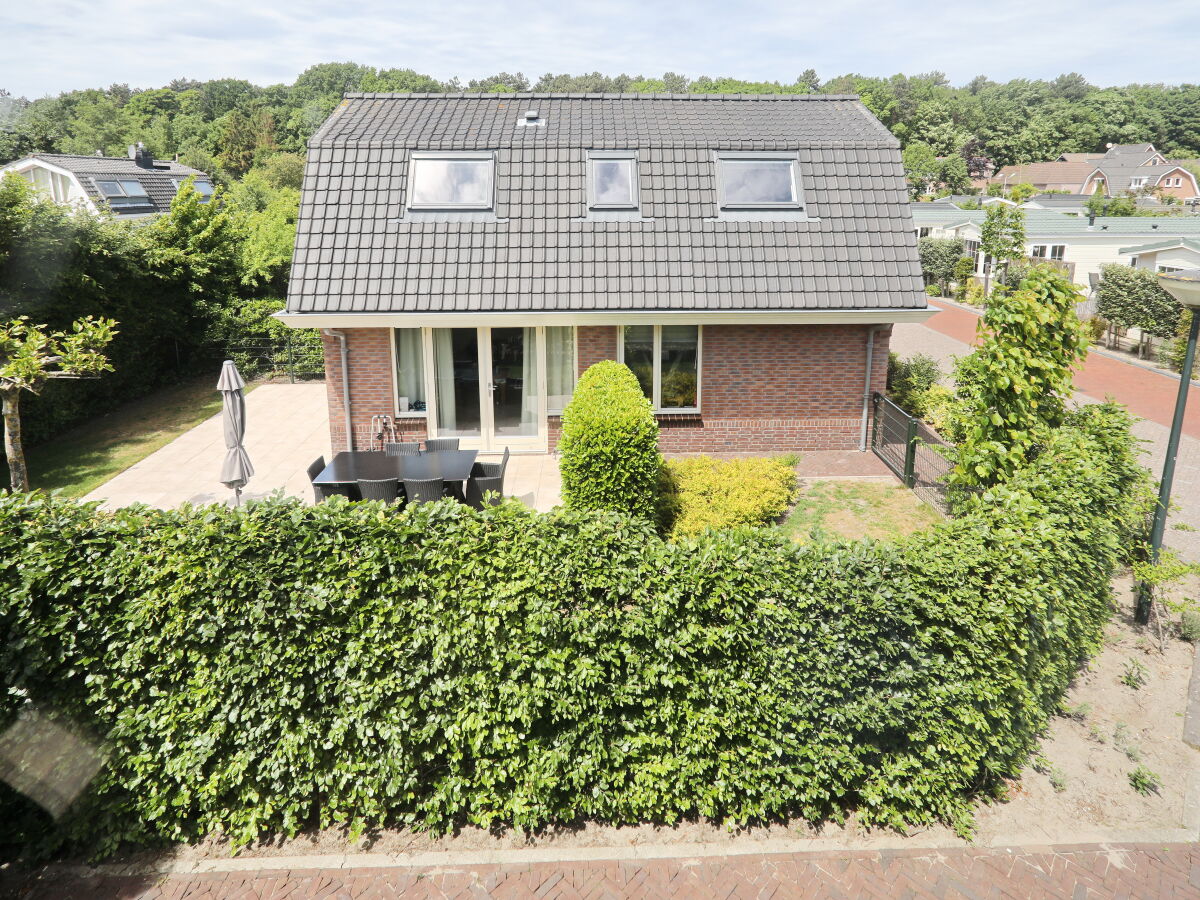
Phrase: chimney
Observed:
(140, 155)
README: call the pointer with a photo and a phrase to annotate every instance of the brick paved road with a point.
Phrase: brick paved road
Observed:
(1081, 872)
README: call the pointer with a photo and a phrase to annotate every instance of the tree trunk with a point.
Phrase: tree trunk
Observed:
(13, 451)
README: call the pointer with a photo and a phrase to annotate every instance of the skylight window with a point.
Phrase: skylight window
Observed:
(612, 180)
(454, 181)
(123, 193)
(758, 181)
(203, 187)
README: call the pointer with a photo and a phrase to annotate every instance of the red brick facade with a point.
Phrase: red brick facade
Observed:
(372, 387)
(764, 388)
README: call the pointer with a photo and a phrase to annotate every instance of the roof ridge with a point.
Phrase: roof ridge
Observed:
(537, 95)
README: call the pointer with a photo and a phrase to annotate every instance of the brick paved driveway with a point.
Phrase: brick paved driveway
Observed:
(1079, 872)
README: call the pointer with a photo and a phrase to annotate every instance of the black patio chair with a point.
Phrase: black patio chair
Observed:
(322, 492)
(423, 490)
(385, 489)
(442, 444)
(403, 448)
(486, 477)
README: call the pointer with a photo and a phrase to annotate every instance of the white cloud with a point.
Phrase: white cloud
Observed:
(59, 45)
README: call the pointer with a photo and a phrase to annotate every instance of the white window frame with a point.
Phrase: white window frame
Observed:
(634, 187)
(1054, 252)
(451, 156)
(723, 156)
(656, 400)
(1170, 268)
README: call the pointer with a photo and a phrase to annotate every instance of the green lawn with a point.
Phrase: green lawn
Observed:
(82, 459)
(857, 509)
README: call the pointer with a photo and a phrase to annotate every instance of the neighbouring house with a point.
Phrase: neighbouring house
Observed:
(467, 256)
(130, 187)
(1081, 245)
(1169, 255)
(1122, 169)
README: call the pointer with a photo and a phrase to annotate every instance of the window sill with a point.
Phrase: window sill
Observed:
(412, 414)
(677, 414)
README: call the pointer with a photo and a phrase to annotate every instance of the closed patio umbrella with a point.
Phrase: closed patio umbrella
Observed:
(237, 469)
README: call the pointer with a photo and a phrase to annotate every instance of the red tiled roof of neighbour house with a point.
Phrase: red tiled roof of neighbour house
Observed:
(1072, 172)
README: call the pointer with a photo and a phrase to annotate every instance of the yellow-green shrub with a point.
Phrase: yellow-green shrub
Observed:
(703, 492)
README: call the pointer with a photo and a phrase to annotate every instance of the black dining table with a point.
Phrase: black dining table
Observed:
(350, 465)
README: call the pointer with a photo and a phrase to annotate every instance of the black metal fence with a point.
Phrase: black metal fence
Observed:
(912, 450)
(295, 360)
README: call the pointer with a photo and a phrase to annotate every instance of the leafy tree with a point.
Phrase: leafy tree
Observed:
(1019, 193)
(196, 246)
(921, 168)
(964, 268)
(504, 82)
(938, 259)
(31, 355)
(1002, 235)
(1013, 388)
(953, 174)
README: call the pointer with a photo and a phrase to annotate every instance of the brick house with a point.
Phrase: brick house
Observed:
(467, 256)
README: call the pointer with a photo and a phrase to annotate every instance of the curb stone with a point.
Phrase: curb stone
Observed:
(1191, 721)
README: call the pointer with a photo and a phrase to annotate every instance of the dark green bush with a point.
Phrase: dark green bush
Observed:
(281, 666)
(609, 444)
(702, 492)
(908, 380)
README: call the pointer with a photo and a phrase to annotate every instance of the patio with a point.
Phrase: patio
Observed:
(287, 428)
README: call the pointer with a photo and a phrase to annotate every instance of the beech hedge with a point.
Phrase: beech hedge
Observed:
(278, 667)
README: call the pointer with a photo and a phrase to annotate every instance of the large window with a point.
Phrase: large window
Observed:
(560, 367)
(450, 181)
(612, 180)
(666, 361)
(758, 181)
(410, 370)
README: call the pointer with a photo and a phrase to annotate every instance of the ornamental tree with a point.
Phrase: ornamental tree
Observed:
(31, 355)
(938, 256)
(1002, 236)
(1012, 390)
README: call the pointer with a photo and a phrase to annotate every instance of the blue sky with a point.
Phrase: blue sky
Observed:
(57, 45)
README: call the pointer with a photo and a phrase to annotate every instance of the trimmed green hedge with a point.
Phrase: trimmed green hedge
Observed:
(281, 666)
(609, 444)
(701, 492)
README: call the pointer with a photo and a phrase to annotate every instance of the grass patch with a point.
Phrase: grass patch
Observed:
(857, 509)
(80, 460)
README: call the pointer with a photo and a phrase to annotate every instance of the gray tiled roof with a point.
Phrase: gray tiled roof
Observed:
(159, 181)
(1041, 223)
(358, 250)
